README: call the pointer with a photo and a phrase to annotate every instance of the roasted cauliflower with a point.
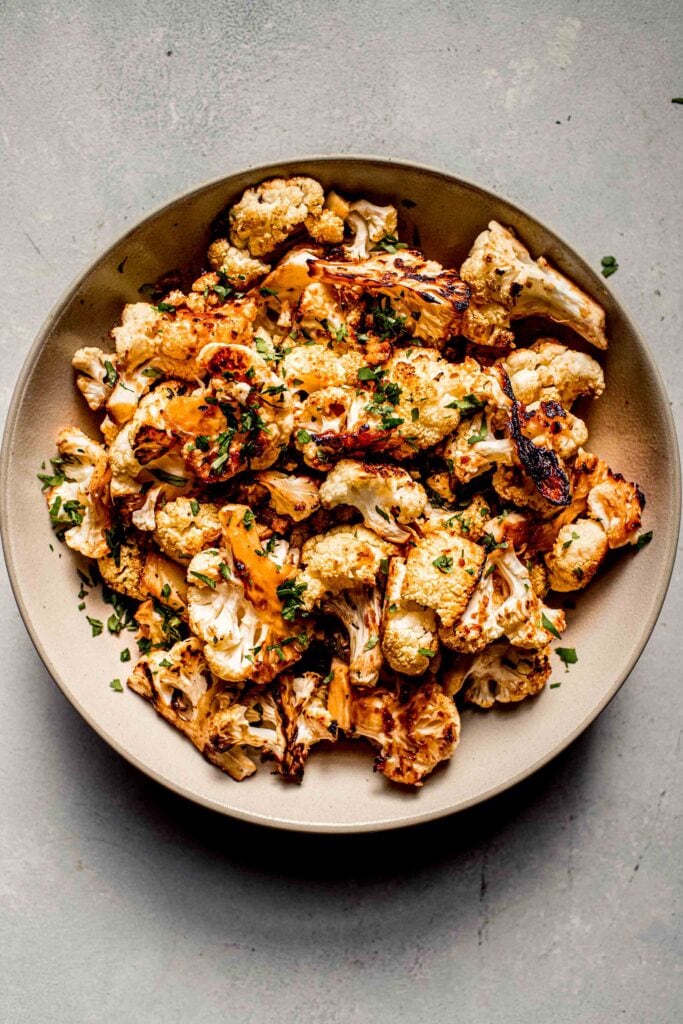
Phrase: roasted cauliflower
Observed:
(337, 494)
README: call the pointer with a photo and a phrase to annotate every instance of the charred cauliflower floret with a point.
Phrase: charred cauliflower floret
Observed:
(175, 682)
(550, 371)
(359, 609)
(78, 494)
(303, 705)
(385, 495)
(504, 603)
(414, 732)
(235, 264)
(577, 554)
(370, 224)
(617, 505)
(442, 570)
(342, 559)
(267, 215)
(501, 674)
(507, 284)
(409, 630)
(243, 724)
(431, 300)
(549, 425)
(293, 496)
(184, 527)
(325, 227)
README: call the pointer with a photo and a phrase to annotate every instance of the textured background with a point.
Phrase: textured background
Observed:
(558, 901)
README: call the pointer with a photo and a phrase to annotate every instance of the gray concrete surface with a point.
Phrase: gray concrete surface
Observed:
(556, 902)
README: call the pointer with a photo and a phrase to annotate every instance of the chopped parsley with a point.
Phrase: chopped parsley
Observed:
(125, 654)
(573, 537)
(444, 563)
(268, 291)
(384, 566)
(303, 436)
(152, 371)
(568, 655)
(425, 652)
(224, 570)
(386, 322)
(390, 243)
(554, 686)
(110, 376)
(467, 405)
(414, 415)
(609, 266)
(164, 307)
(166, 591)
(248, 519)
(96, 625)
(289, 594)
(194, 507)
(116, 686)
(479, 435)
(644, 540)
(547, 624)
(202, 442)
(371, 643)
(204, 579)
(370, 373)
(164, 477)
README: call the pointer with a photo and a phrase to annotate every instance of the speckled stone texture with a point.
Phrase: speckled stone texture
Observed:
(556, 902)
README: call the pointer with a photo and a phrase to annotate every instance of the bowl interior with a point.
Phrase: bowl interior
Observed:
(630, 426)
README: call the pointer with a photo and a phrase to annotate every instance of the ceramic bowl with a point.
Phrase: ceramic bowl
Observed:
(631, 426)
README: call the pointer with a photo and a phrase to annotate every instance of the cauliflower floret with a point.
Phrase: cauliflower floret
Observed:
(184, 527)
(409, 630)
(514, 487)
(96, 375)
(122, 569)
(267, 215)
(507, 284)
(79, 499)
(474, 448)
(293, 496)
(550, 426)
(442, 570)
(165, 581)
(551, 371)
(385, 495)
(617, 505)
(250, 721)
(342, 559)
(338, 421)
(504, 604)
(326, 227)
(369, 223)
(302, 702)
(238, 642)
(312, 367)
(243, 421)
(359, 610)
(235, 264)
(500, 674)
(414, 731)
(431, 299)
(176, 682)
(577, 554)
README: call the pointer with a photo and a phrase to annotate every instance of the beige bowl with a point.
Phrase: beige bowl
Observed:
(631, 426)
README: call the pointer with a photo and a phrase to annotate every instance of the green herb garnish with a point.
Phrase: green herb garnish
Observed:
(116, 686)
(568, 655)
(609, 266)
(547, 624)
(444, 563)
(204, 579)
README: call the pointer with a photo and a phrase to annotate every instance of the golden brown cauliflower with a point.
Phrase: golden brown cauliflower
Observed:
(123, 569)
(235, 264)
(414, 731)
(185, 526)
(386, 496)
(78, 494)
(578, 552)
(499, 674)
(617, 505)
(342, 559)
(431, 300)
(548, 370)
(442, 571)
(507, 283)
(409, 630)
(267, 215)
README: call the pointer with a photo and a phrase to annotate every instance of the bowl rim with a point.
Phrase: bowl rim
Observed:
(261, 171)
